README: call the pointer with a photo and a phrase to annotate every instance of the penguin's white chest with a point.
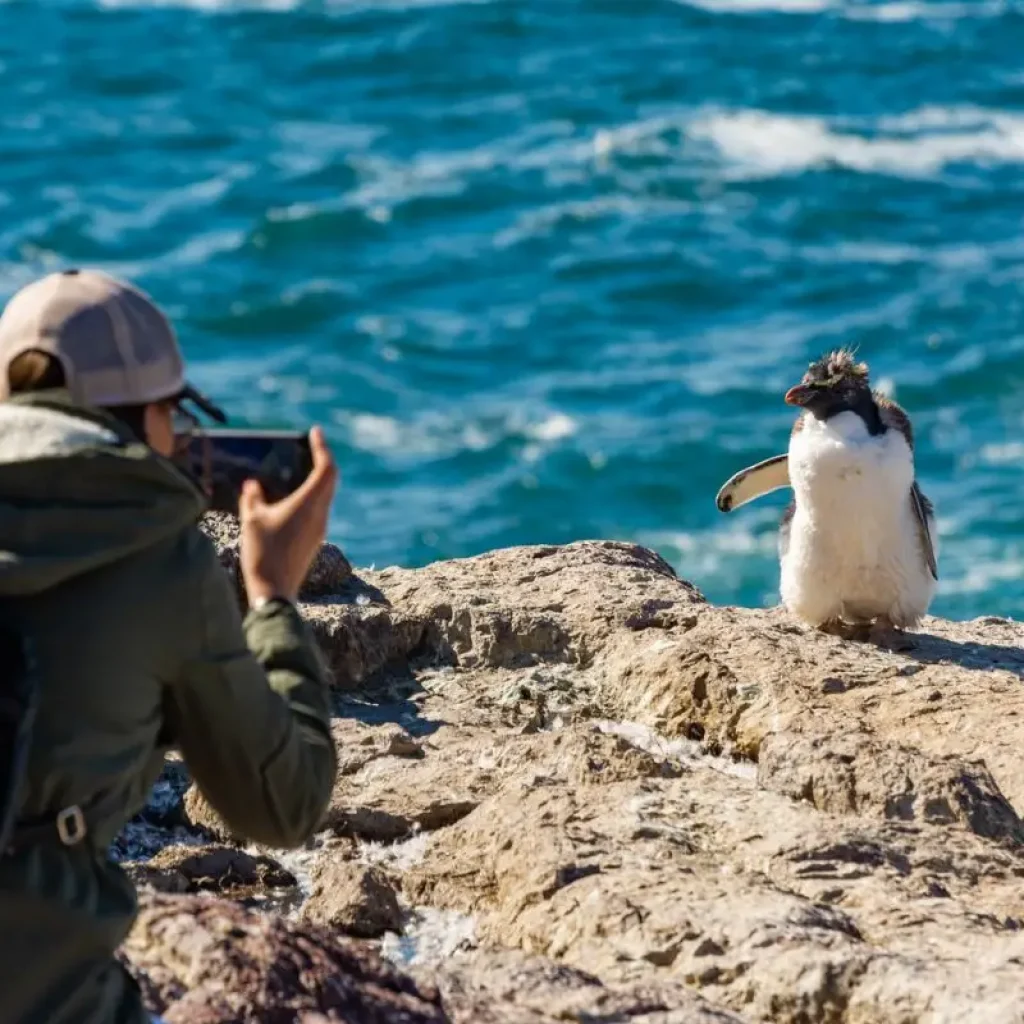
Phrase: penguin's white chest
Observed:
(854, 547)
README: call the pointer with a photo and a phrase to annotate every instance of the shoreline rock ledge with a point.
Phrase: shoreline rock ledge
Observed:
(572, 789)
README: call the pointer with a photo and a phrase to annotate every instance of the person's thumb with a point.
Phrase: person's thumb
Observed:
(251, 497)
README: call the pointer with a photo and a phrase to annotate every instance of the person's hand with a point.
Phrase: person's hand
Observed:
(280, 540)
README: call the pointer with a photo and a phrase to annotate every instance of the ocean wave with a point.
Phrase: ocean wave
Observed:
(982, 565)
(274, 6)
(916, 10)
(750, 142)
(895, 11)
(437, 434)
(916, 144)
(730, 557)
(202, 5)
(726, 556)
(760, 6)
(1008, 453)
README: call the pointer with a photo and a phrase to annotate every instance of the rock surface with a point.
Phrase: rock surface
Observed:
(329, 570)
(221, 869)
(208, 961)
(355, 899)
(513, 988)
(652, 809)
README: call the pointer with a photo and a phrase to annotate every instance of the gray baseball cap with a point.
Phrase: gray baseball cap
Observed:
(114, 344)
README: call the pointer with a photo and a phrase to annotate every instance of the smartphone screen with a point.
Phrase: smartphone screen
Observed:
(221, 460)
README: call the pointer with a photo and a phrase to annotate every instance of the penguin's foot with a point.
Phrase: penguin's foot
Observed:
(836, 627)
(884, 634)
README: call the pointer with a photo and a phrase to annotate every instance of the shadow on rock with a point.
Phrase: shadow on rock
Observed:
(395, 704)
(356, 590)
(929, 649)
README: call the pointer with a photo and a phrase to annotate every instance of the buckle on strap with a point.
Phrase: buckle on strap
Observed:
(71, 825)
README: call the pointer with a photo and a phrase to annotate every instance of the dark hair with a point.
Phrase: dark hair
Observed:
(36, 370)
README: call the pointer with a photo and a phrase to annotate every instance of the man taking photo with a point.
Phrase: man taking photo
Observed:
(120, 637)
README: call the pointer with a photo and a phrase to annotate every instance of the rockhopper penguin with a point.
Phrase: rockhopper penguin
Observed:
(856, 543)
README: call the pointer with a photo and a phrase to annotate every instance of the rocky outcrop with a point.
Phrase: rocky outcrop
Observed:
(513, 988)
(356, 899)
(330, 568)
(208, 868)
(654, 809)
(857, 774)
(508, 610)
(207, 961)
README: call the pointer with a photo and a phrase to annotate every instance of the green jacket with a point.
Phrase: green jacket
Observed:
(140, 647)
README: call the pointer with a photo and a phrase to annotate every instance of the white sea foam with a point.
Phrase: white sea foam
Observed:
(859, 10)
(749, 142)
(203, 5)
(917, 144)
(436, 434)
(984, 573)
(685, 751)
(341, 6)
(1010, 453)
(918, 10)
(375, 433)
(429, 937)
(854, 10)
(299, 862)
(759, 6)
(726, 552)
(398, 856)
(732, 537)
(545, 221)
(553, 428)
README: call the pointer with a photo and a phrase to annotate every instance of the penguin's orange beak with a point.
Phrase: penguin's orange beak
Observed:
(799, 395)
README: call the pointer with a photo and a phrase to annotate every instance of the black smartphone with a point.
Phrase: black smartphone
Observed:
(221, 460)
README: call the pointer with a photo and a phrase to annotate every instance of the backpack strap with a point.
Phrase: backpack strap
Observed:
(68, 827)
(19, 699)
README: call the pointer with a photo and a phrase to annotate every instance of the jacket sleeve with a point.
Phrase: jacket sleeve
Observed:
(250, 711)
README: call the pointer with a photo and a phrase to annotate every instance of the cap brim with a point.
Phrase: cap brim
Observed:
(202, 403)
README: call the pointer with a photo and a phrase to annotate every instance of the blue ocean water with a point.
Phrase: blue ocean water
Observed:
(544, 268)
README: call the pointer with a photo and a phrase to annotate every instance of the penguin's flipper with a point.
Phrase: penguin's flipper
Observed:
(924, 511)
(752, 482)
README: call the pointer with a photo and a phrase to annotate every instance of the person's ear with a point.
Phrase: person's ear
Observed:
(158, 422)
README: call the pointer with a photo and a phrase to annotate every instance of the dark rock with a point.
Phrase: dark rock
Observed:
(165, 806)
(222, 869)
(201, 960)
(328, 573)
